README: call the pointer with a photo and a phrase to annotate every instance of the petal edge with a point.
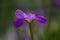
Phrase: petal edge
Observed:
(41, 19)
(17, 22)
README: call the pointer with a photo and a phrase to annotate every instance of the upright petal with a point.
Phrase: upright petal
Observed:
(30, 17)
(41, 19)
(20, 14)
(17, 22)
(39, 11)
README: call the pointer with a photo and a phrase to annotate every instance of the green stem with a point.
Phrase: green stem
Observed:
(31, 31)
(17, 32)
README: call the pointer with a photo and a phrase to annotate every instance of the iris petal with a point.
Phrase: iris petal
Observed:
(20, 14)
(30, 17)
(17, 22)
(41, 19)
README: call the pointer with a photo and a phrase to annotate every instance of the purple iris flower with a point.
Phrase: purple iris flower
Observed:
(21, 17)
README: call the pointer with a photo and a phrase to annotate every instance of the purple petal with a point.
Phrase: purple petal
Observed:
(17, 22)
(20, 14)
(30, 17)
(41, 19)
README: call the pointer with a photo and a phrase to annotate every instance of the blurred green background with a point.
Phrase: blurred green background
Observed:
(49, 31)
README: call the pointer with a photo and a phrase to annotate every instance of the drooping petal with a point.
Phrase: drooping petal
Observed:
(20, 14)
(17, 22)
(41, 19)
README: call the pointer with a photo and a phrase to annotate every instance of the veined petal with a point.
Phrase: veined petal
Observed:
(20, 14)
(41, 19)
(17, 22)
